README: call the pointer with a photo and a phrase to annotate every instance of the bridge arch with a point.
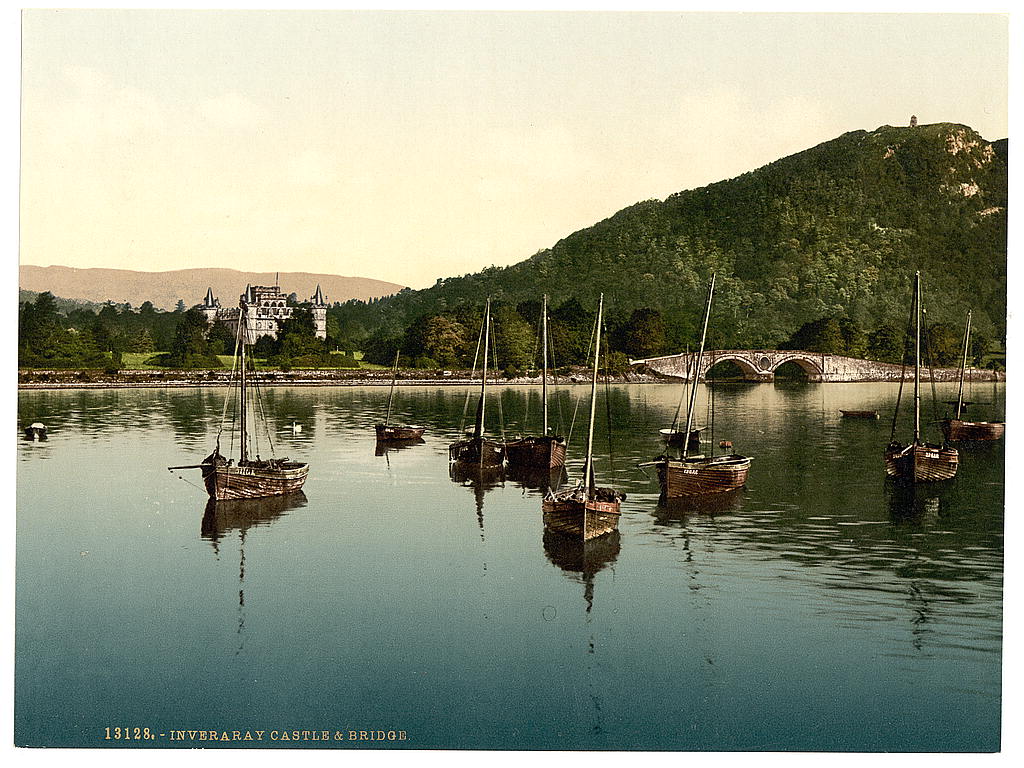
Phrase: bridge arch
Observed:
(742, 362)
(810, 365)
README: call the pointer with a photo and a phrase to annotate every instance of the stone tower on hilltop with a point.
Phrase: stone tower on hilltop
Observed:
(264, 306)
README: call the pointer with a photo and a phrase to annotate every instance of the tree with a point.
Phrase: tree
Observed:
(180, 306)
(190, 348)
(440, 338)
(644, 334)
(221, 339)
(943, 345)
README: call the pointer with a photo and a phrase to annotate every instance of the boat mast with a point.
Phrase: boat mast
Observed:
(588, 467)
(696, 369)
(391, 394)
(244, 455)
(963, 367)
(544, 380)
(479, 431)
(917, 358)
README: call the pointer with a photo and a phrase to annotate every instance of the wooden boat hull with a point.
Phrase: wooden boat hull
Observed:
(859, 414)
(477, 450)
(386, 432)
(922, 463)
(580, 519)
(536, 453)
(701, 476)
(957, 429)
(255, 481)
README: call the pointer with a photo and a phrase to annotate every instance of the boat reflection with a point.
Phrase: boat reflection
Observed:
(917, 503)
(585, 558)
(480, 479)
(384, 447)
(538, 479)
(713, 504)
(225, 516)
(221, 517)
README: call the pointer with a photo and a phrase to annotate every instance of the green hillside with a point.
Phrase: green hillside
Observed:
(835, 231)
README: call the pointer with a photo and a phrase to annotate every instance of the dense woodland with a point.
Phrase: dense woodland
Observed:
(815, 251)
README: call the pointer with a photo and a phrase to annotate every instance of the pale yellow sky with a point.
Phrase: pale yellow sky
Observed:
(411, 146)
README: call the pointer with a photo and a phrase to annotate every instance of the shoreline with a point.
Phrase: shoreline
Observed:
(29, 380)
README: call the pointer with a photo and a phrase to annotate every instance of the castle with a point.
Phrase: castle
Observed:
(264, 306)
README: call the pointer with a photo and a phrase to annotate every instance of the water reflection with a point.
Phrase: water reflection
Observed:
(583, 559)
(480, 479)
(384, 447)
(221, 517)
(677, 508)
(920, 504)
(537, 479)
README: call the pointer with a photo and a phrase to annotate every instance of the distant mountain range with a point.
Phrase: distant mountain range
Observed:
(164, 289)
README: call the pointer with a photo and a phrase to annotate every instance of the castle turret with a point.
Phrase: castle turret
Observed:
(210, 306)
(319, 310)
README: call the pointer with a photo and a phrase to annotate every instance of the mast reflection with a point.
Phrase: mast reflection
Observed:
(222, 517)
(584, 559)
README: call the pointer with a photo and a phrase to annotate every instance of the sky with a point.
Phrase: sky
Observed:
(412, 146)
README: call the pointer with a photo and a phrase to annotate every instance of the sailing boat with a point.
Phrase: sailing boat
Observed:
(671, 435)
(919, 462)
(249, 478)
(476, 449)
(585, 512)
(542, 451)
(956, 428)
(699, 475)
(395, 432)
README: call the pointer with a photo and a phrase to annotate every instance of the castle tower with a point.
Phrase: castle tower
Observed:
(319, 309)
(210, 306)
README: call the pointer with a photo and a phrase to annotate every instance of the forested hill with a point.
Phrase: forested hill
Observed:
(834, 231)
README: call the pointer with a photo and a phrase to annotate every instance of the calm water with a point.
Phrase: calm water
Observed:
(817, 610)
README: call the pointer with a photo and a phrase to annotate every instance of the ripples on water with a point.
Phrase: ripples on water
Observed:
(818, 608)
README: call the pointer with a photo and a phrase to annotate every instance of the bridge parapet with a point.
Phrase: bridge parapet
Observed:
(761, 364)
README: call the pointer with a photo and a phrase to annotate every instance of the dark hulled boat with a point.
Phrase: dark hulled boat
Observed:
(477, 449)
(859, 414)
(674, 438)
(956, 429)
(544, 451)
(693, 476)
(585, 512)
(249, 478)
(388, 432)
(920, 461)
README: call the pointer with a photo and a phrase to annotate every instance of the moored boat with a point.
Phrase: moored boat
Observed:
(848, 414)
(956, 429)
(699, 475)
(674, 438)
(475, 448)
(585, 512)
(249, 478)
(544, 451)
(919, 461)
(387, 431)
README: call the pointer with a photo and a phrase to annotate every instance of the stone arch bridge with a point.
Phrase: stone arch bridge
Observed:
(761, 364)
